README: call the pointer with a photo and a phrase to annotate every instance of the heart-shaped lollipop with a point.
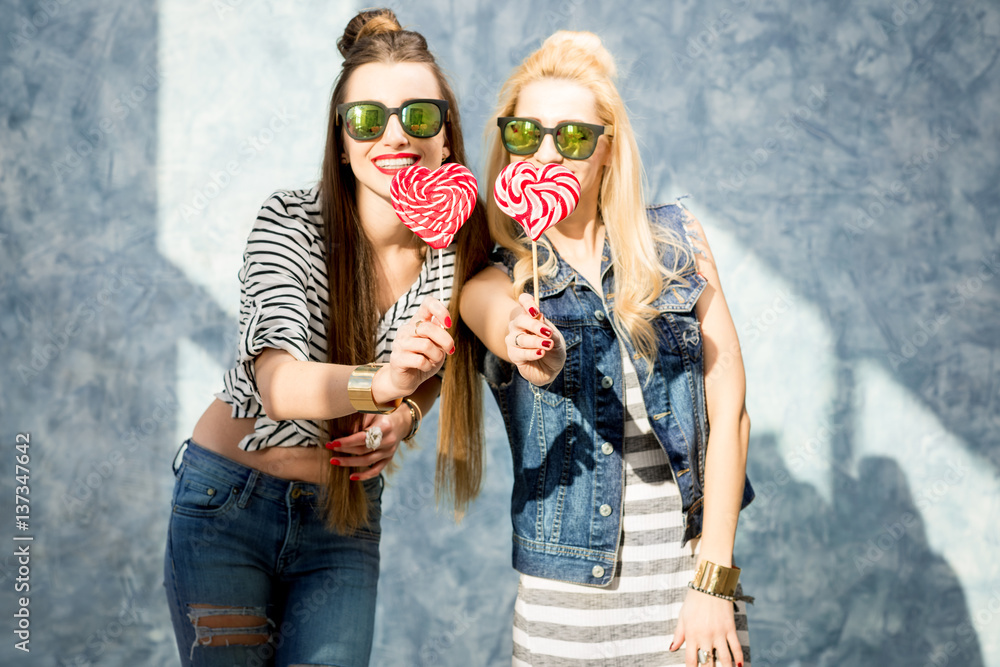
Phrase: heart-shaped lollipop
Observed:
(537, 199)
(434, 204)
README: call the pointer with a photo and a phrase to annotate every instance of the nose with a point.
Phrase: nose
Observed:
(394, 135)
(547, 153)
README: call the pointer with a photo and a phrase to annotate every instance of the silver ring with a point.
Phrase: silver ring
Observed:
(704, 656)
(516, 344)
(373, 438)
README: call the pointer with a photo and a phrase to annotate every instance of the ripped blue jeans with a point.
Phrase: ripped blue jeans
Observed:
(254, 577)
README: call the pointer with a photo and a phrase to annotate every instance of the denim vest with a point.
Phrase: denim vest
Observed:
(566, 504)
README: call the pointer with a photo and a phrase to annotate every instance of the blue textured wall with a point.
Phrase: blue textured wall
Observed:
(843, 156)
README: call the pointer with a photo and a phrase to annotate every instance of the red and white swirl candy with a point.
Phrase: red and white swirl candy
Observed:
(434, 204)
(537, 199)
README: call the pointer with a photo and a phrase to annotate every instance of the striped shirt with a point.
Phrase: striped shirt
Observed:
(284, 304)
(631, 622)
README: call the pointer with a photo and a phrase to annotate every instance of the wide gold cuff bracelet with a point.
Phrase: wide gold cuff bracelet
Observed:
(716, 580)
(359, 390)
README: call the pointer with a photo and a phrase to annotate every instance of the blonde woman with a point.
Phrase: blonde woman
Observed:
(624, 507)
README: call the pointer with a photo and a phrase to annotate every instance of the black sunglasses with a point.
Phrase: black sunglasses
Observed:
(366, 120)
(574, 140)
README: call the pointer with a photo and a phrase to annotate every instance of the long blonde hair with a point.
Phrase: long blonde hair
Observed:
(640, 276)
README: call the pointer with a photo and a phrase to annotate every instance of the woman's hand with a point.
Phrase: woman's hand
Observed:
(534, 345)
(351, 450)
(419, 351)
(707, 622)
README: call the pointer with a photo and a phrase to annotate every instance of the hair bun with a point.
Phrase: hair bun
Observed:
(585, 43)
(367, 23)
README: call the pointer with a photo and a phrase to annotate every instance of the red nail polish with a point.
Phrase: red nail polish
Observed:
(546, 343)
(333, 445)
(354, 478)
(452, 351)
(447, 322)
(538, 352)
(532, 312)
(334, 462)
(546, 331)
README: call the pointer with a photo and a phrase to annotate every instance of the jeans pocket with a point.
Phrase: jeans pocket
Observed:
(200, 495)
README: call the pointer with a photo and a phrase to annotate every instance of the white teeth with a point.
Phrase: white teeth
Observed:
(395, 162)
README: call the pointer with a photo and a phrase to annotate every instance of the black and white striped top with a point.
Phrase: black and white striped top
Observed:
(284, 304)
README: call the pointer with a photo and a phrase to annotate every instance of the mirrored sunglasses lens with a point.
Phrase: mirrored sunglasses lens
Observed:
(421, 119)
(521, 137)
(364, 121)
(576, 142)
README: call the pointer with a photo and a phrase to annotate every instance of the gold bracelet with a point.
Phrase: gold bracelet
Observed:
(415, 417)
(708, 592)
(716, 580)
(359, 391)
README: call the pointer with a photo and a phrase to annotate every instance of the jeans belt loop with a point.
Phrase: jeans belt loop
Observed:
(248, 490)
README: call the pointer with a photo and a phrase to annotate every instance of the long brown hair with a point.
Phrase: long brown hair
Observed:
(375, 36)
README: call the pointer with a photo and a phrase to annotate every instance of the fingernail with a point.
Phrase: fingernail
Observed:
(334, 462)
(354, 478)
(546, 331)
(673, 647)
(546, 343)
(538, 352)
(447, 322)
(532, 312)
(452, 351)
(333, 445)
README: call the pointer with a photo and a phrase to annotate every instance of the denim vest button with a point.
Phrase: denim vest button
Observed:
(598, 572)
(607, 448)
(599, 314)
(605, 510)
(607, 382)
(211, 492)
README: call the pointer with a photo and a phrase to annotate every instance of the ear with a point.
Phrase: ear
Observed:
(344, 159)
(607, 155)
(445, 154)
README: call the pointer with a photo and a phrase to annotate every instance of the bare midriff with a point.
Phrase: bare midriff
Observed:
(219, 432)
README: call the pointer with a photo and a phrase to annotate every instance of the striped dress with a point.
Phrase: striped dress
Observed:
(631, 622)
(284, 304)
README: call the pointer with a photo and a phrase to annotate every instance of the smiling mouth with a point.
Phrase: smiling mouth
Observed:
(390, 165)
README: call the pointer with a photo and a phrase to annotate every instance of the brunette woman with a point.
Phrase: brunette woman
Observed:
(272, 554)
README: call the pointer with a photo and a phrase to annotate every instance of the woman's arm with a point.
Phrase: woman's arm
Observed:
(513, 330)
(293, 389)
(725, 393)
(485, 304)
(707, 622)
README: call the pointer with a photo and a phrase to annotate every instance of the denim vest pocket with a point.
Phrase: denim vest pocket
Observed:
(567, 383)
(677, 315)
(684, 335)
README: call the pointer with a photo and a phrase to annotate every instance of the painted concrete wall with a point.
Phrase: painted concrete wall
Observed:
(843, 156)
